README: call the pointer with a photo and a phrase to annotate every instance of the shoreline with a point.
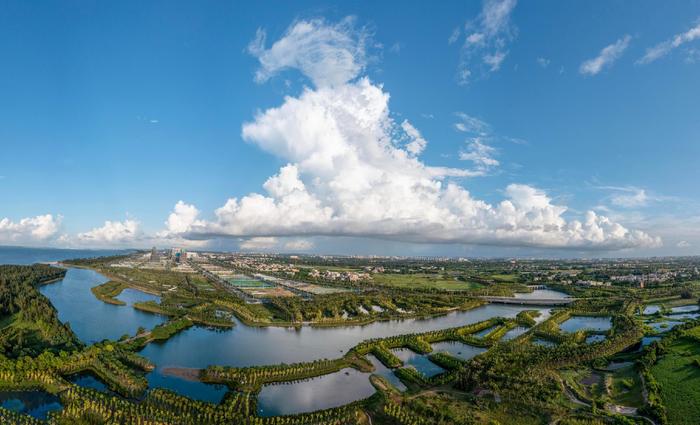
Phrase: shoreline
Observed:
(425, 316)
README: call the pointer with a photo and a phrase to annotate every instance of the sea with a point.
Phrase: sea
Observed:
(25, 255)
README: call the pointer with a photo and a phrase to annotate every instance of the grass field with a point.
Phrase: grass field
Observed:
(680, 382)
(423, 280)
(626, 387)
(509, 278)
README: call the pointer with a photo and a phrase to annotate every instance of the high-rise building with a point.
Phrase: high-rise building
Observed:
(154, 254)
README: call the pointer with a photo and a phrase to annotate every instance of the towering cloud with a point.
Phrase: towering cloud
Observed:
(353, 171)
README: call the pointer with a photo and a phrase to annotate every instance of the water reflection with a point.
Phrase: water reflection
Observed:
(87, 380)
(420, 361)
(249, 346)
(386, 373)
(188, 387)
(651, 309)
(514, 333)
(458, 349)
(576, 323)
(34, 403)
(91, 319)
(323, 392)
(131, 296)
(542, 294)
(664, 325)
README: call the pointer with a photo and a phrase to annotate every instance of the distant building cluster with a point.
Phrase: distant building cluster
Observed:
(340, 276)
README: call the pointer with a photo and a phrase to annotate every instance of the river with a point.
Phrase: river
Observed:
(198, 347)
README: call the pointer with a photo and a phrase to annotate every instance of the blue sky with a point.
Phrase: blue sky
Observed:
(116, 112)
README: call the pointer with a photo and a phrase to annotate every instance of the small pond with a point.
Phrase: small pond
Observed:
(651, 309)
(514, 333)
(664, 326)
(458, 349)
(161, 377)
(87, 380)
(386, 373)
(420, 361)
(323, 392)
(34, 403)
(576, 323)
(482, 333)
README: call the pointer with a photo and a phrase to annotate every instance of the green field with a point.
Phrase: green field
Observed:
(626, 387)
(679, 378)
(248, 283)
(423, 280)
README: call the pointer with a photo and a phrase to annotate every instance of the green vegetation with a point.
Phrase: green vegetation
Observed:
(108, 291)
(678, 377)
(28, 322)
(444, 282)
(513, 382)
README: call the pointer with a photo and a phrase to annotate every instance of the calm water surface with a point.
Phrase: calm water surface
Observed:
(542, 294)
(131, 296)
(249, 346)
(576, 323)
(192, 389)
(198, 347)
(323, 392)
(91, 319)
(87, 380)
(19, 255)
(386, 373)
(458, 349)
(685, 309)
(420, 361)
(34, 403)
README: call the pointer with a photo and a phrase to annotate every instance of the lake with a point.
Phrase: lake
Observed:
(91, 319)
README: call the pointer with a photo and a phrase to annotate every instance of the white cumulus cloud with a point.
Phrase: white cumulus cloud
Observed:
(29, 230)
(662, 49)
(329, 54)
(351, 172)
(112, 233)
(606, 57)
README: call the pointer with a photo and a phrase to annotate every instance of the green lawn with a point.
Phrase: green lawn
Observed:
(680, 382)
(510, 278)
(423, 280)
(626, 387)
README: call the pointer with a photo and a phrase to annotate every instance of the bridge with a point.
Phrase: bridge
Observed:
(529, 301)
